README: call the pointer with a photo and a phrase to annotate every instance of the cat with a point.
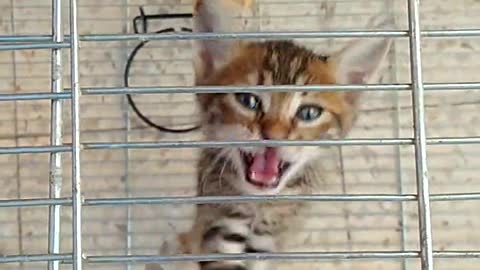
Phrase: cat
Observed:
(266, 226)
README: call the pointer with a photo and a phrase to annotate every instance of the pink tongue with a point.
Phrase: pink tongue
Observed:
(264, 168)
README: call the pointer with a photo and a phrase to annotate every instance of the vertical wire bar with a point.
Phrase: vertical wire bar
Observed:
(129, 240)
(128, 235)
(75, 104)
(56, 131)
(126, 116)
(346, 210)
(399, 176)
(426, 244)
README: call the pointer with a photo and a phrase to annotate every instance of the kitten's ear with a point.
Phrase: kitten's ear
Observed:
(360, 62)
(216, 16)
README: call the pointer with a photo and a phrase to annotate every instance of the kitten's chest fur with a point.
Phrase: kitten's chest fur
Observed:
(216, 177)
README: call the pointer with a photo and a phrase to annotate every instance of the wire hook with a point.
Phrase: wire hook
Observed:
(144, 20)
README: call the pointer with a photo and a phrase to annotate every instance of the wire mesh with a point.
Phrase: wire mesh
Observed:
(368, 216)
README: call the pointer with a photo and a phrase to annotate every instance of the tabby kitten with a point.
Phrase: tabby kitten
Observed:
(266, 226)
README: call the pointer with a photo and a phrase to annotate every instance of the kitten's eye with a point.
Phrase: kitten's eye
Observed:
(250, 101)
(309, 112)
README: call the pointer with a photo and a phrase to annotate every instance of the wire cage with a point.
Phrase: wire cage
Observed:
(87, 185)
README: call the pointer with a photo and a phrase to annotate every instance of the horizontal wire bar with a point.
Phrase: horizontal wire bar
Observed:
(226, 89)
(276, 143)
(273, 88)
(34, 202)
(457, 254)
(244, 35)
(451, 33)
(221, 144)
(256, 256)
(306, 34)
(35, 96)
(239, 199)
(25, 38)
(67, 258)
(451, 86)
(461, 86)
(459, 140)
(249, 35)
(310, 198)
(34, 46)
(237, 35)
(265, 198)
(455, 197)
(34, 258)
(34, 149)
(243, 199)
(363, 255)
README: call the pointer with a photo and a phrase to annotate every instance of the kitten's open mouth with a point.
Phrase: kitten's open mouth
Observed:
(264, 170)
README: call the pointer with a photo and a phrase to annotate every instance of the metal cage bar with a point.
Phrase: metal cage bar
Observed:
(56, 131)
(216, 144)
(126, 177)
(420, 137)
(356, 255)
(249, 35)
(34, 46)
(239, 199)
(460, 86)
(285, 256)
(76, 144)
(57, 41)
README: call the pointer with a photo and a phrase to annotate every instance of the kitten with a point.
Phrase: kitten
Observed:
(265, 227)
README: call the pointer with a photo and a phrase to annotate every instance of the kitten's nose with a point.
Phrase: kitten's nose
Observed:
(275, 130)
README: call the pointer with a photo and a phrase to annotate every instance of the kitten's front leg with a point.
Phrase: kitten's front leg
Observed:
(233, 236)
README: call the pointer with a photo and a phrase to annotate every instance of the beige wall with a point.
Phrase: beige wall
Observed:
(334, 226)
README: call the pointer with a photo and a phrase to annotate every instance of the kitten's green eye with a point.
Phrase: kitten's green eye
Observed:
(309, 112)
(250, 101)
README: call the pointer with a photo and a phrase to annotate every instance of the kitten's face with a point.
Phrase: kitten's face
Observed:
(275, 115)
